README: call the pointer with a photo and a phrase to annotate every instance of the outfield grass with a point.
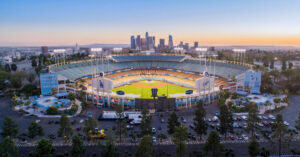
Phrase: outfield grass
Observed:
(145, 92)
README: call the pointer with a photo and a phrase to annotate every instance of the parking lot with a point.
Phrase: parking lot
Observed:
(159, 122)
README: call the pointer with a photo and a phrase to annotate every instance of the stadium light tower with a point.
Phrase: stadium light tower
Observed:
(202, 53)
(95, 52)
(240, 55)
(59, 51)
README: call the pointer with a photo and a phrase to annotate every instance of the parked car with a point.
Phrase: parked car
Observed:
(286, 123)
(259, 117)
(231, 137)
(245, 137)
(244, 117)
(183, 119)
(37, 121)
(265, 117)
(265, 123)
(215, 119)
(192, 126)
(52, 136)
(272, 117)
(154, 139)
(153, 131)
(162, 120)
(260, 124)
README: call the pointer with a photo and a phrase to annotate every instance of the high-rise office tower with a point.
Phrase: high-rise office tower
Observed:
(147, 40)
(196, 44)
(181, 44)
(161, 43)
(170, 42)
(151, 43)
(138, 42)
(143, 44)
(186, 46)
(132, 42)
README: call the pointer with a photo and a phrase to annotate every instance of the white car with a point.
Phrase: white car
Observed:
(259, 117)
(154, 139)
(272, 117)
(215, 118)
(286, 123)
(245, 137)
(81, 121)
(153, 130)
(37, 121)
(244, 117)
(265, 117)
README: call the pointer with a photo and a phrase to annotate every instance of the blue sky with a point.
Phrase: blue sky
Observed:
(211, 22)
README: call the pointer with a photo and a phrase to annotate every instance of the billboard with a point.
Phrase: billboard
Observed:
(253, 80)
(102, 84)
(49, 81)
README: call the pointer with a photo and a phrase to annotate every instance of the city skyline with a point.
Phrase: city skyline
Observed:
(52, 23)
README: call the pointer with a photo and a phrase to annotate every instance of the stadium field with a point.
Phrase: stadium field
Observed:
(142, 89)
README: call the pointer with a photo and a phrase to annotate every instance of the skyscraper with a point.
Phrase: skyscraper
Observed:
(138, 42)
(147, 40)
(132, 41)
(181, 44)
(161, 43)
(196, 44)
(170, 42)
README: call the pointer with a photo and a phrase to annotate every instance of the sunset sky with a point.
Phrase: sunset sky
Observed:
(211, 22)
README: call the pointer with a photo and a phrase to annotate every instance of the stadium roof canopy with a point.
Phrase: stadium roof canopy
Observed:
(139, 58)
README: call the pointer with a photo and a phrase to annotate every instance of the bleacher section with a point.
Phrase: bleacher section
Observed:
(78, 70)
(140, 58)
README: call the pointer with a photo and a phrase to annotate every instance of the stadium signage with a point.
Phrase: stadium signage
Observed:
(120, 92)
(188, 92)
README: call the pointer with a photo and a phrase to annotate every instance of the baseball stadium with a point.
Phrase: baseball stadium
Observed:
(129, 79)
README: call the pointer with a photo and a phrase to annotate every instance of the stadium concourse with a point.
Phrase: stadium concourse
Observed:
(173, 75)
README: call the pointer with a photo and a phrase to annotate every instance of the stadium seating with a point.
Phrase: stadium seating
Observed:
(78, 70)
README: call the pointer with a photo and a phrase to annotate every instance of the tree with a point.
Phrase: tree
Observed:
(121, 123)
(30, 77)
(272, 64)
(71, 96)
(89, 126)
(253, 148)
(279, 130)
(44, 148)
(77, 149)
(110, 150)
(199, 122)
(30, 89)
(52, 110)
(264, 152)
(172, 123)
(7, 68)
(8, 148)
(180, 136)
(290, 65)
(145, 148)
(283, 62)
(35, 130)
(14, 67)
(212, 145)
(65, 129)
(146, 128)
(252, 119)
(9, 127)
(226, 120)
(33, 63)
